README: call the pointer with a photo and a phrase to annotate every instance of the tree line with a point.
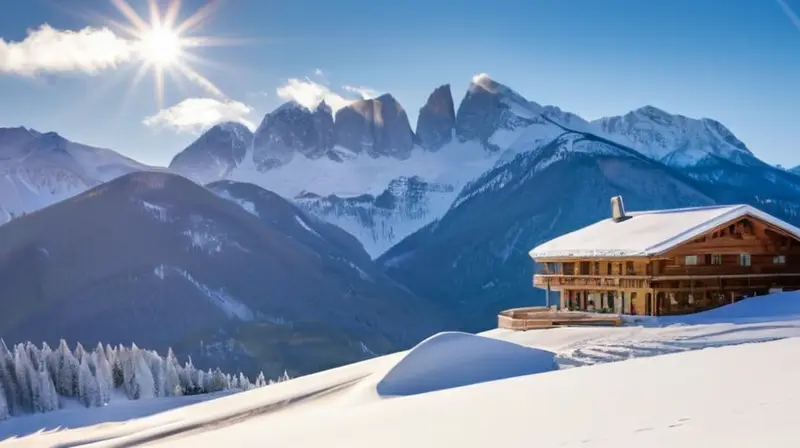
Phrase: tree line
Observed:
(34, 379)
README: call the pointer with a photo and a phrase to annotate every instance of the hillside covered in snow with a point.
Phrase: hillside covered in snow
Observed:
(671, 381)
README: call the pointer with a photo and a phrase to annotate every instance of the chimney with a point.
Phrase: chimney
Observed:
(618, 209)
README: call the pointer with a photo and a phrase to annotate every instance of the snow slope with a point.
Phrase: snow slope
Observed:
(38, 169)
(705, 393)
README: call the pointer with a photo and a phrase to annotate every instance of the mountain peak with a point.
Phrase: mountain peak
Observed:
(675, 139)
(437, 119)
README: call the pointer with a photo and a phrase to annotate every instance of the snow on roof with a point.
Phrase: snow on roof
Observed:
(649, 233)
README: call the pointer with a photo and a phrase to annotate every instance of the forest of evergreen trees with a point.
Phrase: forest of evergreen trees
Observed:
(34, 379)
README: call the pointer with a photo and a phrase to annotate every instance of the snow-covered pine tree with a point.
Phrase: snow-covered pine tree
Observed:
(89, 391)
(50, 360)
(138, 380)
(157, 369)
(105, 379)
(4, 414)
(68, 367)
(27, 379)
(244, 382)
(187, 376)
(260, 381)
(80, 352)
(216, 381)
(34, 354)
(9, 380)
(172, 380)
(48, 397)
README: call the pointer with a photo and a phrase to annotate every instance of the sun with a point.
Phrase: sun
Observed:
(163, 43)
(160, 46)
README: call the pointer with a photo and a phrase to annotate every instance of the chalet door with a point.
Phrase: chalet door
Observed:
(648, 304)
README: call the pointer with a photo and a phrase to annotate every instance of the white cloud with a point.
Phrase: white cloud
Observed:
(319, 72)
(366, 93)
(46, 49)
(309, 94)
(197, 114)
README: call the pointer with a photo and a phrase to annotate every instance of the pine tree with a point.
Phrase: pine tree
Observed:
(187, 375)
(244, 382)
(172, 380)
(157, 369)
(68, 369)
(80, 352)
(89, 392)
(105, 379)
(27, 379)
(4, 412)
(48, 397)
(260, 381)
(9, 380)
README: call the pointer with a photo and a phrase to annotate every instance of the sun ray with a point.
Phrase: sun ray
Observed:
(126, 10)
(162, 42)
(198, 17)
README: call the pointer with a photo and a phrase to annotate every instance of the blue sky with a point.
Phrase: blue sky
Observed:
(737, 61)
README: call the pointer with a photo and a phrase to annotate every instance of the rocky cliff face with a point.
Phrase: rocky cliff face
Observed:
(377, 127)
(489, 107)
(292, 129)
(437, 120)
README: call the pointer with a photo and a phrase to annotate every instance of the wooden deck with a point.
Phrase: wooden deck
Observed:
(535, 318)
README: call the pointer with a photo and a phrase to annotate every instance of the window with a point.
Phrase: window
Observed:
(744, 259)
(609, 268)
(585, 267)
(629, 268)
(596, 268)
(691, 260)
(779, 259)
(716, 259)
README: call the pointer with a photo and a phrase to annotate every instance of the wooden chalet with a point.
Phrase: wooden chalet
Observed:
(669, 261)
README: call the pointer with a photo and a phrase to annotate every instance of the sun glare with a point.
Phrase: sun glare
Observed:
(163, 42)
(160, 46)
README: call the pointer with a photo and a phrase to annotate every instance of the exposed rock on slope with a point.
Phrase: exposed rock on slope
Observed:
(377, 127)
(437, 119)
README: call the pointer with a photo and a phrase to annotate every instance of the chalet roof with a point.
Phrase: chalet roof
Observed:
(649, 233)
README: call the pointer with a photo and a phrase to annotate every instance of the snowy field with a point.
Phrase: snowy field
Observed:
(728, 377)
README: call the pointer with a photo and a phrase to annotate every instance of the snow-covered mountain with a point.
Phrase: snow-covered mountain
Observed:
(363, 169)
(474, 260)
(674, 139)
(38, 169)
(366, 171)
(215, 153)
(233, 274)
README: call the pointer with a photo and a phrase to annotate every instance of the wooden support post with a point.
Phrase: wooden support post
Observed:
(548, 293)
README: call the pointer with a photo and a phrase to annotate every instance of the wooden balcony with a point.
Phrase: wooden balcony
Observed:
(596, 282)
(726, 271)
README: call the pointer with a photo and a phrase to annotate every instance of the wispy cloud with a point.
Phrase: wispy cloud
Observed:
(789, 13)
(318, 72)
(194, 115)
(48, 50)
(309, 93)
(365, 92)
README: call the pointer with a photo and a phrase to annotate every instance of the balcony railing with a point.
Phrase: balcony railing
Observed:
(590, 281)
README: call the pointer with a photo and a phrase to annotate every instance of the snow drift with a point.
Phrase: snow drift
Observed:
(453, 359)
